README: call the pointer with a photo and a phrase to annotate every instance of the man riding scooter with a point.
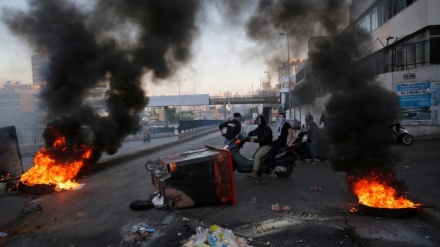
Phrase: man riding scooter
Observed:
(263, 136)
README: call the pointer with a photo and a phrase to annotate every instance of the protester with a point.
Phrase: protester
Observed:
(233, 127)
(285, 137)
(263, 136)
(312, 138)
(323, 119)
(145, 128)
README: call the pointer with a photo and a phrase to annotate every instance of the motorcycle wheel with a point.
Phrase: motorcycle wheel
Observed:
(287, 172)
(407, 139)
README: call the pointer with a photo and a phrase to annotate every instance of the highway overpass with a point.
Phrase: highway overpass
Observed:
(205, 99)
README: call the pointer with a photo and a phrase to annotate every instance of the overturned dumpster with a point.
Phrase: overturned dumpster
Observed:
(194, 178)
(11, 166)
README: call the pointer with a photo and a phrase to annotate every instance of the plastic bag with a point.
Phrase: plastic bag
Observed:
(277, 207)
(158, 200)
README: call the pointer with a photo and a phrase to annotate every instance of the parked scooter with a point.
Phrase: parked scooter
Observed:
(401, 134)
(285, 158)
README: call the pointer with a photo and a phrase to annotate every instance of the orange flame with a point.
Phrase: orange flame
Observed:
(48, 170)
(373, 192)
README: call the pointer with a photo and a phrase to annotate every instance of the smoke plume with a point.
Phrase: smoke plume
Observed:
(122, 40)
(359, 110)
(109, 40)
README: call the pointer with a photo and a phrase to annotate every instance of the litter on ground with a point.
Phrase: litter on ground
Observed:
(215, 236)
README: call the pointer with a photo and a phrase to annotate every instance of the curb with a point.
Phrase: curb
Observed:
(429, 215)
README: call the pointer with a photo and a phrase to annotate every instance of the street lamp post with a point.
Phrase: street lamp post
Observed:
(288, 64)
(180, 107)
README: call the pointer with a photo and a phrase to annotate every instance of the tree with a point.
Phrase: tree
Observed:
(172, 115)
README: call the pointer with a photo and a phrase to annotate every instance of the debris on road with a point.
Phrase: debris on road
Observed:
(158, 200)
(215, 236)
(277, 207)
(315, 188)
(138, 232)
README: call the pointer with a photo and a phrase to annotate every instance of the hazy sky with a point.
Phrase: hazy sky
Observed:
(224, 59)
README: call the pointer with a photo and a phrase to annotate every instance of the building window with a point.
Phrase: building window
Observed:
(381, 13)
(373, 19)
(363, 24)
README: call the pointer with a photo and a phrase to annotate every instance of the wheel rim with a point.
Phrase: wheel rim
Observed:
(407, 139)
(287, 172)
(150, 165)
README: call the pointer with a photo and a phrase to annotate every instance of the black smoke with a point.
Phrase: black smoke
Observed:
(118, 41)
(301, 19)
(359, 110)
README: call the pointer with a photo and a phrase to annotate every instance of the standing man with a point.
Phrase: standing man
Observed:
(233, 127)
(323, 119)
(312, 138)
(285, 137)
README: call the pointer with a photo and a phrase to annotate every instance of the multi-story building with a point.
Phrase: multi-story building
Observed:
(95, 97)
(16, 98)
(405, 54)
(287, 82)
(39, 66)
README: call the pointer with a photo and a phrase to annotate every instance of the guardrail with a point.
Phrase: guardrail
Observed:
(35, 135)
(30, 135)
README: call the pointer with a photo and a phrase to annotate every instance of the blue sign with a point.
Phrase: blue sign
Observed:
(414, 95)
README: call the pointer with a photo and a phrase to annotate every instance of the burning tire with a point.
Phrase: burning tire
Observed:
(394, 213)
(37, 189)
(139, 205)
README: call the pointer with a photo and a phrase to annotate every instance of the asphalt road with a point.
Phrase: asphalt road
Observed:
(99, 213)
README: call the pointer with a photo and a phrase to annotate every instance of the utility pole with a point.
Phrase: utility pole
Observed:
(288, 64)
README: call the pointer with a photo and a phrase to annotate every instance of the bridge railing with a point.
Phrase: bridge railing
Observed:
(268, 99)
(35, 135)
(187, 125)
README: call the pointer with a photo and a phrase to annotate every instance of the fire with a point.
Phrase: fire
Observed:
(374, 192)
(58, 165)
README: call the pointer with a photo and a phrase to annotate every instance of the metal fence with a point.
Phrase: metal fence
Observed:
(400, 57)
(186, 125)
(35, 135)
(30, 135)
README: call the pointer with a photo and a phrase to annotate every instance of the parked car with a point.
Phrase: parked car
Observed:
(295, 123)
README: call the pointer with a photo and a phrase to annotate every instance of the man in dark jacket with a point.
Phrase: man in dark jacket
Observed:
(312, 138)
(233, 127)
(263, 136)
(285, 137)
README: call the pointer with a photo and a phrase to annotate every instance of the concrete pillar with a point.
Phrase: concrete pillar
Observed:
(165, 114)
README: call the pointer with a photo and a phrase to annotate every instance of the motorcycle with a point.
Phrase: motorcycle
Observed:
(300, 145)
(400, 134)
(146, 137)
(284, 157)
